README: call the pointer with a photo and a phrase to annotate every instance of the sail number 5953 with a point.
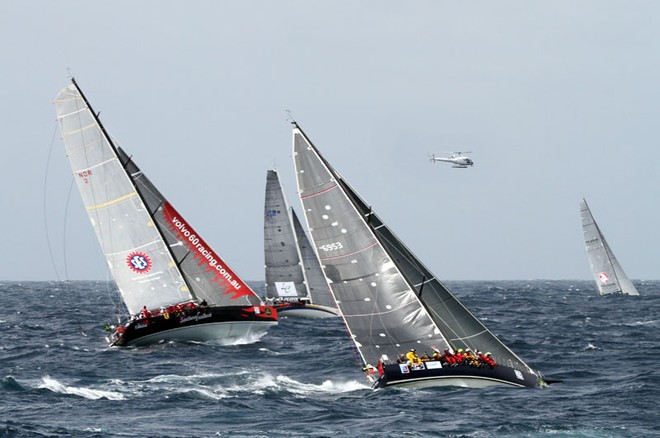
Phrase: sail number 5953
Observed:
(331, 246)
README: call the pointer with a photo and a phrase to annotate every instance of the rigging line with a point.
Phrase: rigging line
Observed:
(45, 209)
(66, 268)
(112, 294)
(67, 286)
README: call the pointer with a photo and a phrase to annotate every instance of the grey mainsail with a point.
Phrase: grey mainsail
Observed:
(608, 273)
(389, 300)
(154, 255)
(292, 267)
(285, 276)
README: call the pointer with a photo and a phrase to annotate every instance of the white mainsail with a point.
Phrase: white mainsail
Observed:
(139, 260)
(608, 273)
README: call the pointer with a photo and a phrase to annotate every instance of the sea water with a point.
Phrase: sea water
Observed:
(302, 379)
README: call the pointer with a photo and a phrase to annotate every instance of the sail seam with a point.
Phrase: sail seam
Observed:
(469, 337)
(378, 313)
(133, 248)
(84, 146)
(77, 131)
(318, 193)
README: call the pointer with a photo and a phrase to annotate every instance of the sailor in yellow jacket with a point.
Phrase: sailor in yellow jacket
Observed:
(412, 357)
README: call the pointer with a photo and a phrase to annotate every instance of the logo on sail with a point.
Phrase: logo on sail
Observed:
(202, 252)
(139, 262)
(603, 278)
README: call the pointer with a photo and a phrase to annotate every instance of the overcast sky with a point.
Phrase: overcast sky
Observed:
(557, 100)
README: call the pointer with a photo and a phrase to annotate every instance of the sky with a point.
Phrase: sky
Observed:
(556, 101)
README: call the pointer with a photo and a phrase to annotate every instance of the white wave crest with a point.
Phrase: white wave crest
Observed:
(93, 394)
(328, 386)
(249, 338)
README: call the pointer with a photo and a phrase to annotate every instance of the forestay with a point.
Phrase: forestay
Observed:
(389, 300)
(608, 273)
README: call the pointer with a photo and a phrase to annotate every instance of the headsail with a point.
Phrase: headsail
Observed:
(149, 268)
(205, 272)
(388, 299)
(318, 287)
(608, 273)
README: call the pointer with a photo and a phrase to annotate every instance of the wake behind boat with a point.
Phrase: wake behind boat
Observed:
(608, 273)
(173, 284)
(295, 283)
(393, 306)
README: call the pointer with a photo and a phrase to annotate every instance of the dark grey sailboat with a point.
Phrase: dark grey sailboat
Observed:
(608, 273)
(391, 303)
(174, 286)
(295, 283)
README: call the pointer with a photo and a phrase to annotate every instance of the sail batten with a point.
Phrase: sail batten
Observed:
(111, 202)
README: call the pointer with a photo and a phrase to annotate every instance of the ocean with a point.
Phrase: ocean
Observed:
(302, 379)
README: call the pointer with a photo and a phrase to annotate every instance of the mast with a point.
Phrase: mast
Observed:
(139, 194)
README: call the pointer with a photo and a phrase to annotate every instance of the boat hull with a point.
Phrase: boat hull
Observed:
(228, 325)
(306, 311)
(432, 374)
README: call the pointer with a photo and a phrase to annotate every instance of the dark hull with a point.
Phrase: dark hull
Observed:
(462, 375)
(225, 324)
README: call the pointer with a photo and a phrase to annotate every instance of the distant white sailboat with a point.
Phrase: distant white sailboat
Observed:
(607, 271)
(174, 285)
(295, 283)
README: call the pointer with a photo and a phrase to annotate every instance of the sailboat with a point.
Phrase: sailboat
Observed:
(295, 283)
(391, 303)
(608, 273)
(174, 286)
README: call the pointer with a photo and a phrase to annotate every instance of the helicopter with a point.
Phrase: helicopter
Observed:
(459, 160)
